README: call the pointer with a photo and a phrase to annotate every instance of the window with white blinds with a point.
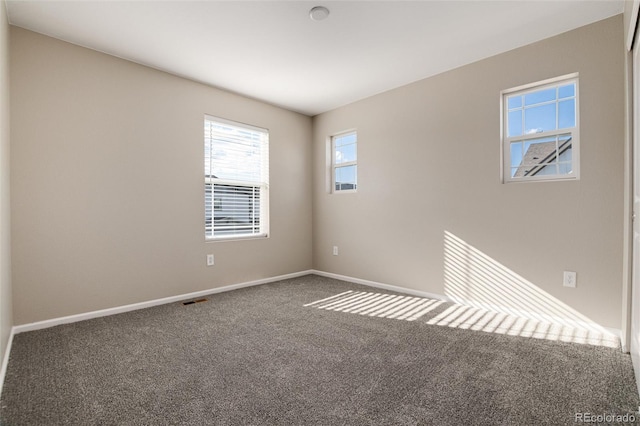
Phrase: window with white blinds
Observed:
(236, 179)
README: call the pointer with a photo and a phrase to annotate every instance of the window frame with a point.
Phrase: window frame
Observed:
(574, 132)
(262, 185)
(335, 166)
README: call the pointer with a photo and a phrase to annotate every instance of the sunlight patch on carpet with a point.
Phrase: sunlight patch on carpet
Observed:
(410, 308)
(378, 305)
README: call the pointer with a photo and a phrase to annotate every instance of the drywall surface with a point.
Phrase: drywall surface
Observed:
(629, 21)
(108, 183)
(6, 314)
(431, 213)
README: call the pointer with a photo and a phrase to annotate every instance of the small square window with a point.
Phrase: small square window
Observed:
(540, 133)
(344, 161)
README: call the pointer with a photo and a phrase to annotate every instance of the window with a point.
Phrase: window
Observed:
(344, 163)
(236, 179)
(540, 134)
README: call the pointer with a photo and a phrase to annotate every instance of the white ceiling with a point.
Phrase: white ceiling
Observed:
(272, 51)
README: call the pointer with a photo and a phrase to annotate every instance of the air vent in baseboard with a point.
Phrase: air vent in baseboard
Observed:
(191, 302)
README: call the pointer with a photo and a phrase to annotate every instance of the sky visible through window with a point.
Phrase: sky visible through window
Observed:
(540, 111)
(345, 152)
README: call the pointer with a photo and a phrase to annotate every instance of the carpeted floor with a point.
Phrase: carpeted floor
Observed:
(274, 354)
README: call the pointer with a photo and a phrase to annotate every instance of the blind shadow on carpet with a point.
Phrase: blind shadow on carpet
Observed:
(437, 312)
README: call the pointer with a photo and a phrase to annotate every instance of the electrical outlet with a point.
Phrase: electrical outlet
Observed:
(335, 250)
(569, 279)
(210, 260)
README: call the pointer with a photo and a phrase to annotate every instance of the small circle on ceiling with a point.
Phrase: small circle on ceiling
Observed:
(319, 13)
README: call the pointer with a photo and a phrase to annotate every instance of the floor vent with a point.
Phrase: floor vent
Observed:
(191, 302)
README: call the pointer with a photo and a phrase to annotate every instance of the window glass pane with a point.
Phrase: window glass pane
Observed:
(567, 91)
(236, 178)
(350, 138)
(531, 112)
(235, 154)
(565, 159)
(345, 153)
(565, 168)
(345, 178)
(514, 102)
(540, 118)
(540, 96)
(539, 151)
(565, 148)
(542, 157)
(515, 123)
(566, 137)
(516, 154)
(548, 170)
(567, 114)
(238, 209)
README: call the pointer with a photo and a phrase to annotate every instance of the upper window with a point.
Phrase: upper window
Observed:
(345, 161)
(540, 137)
(236, 179)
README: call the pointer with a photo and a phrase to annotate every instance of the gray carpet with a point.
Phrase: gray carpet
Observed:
(259, 356)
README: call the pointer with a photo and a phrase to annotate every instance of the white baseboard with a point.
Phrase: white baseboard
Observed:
(5, 358)
(142, 305)
(618, 333)
(383, 286)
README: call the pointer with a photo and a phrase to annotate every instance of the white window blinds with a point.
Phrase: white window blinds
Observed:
(236, 172)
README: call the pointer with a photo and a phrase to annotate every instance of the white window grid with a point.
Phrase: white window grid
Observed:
(335, 165)
(559, 134)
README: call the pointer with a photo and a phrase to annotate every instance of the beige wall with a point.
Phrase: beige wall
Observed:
(6, 315)
(629, 21)
(107, 178)
(429, 164)
(98, 143)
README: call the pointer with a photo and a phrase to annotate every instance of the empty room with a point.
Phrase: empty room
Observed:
(326, 213)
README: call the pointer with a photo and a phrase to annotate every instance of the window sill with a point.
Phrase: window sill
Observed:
(236, 238)
(545, 179)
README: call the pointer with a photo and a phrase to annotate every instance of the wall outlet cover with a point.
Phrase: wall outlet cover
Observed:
(569, 279)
